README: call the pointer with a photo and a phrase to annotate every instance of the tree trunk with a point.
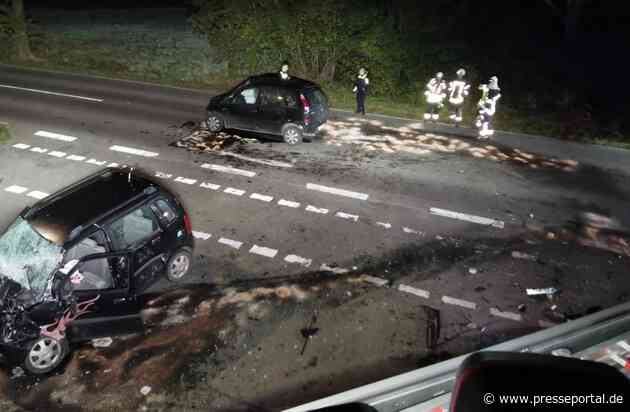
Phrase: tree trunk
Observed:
(22, 45)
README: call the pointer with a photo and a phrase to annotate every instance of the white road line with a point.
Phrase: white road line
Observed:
(163, 175)
(76, 158)
(335, 191)
(507, 315)
(288, 203)
(186, 180)
(38, 149)
(113, 165)
(459, 302)
(299, 260)
(336, 270)
(55, 136)
(314, 209)
(232, 191)
(264, 198)
(37, 194)
(231, 243)
(55, 153)
(380, 282)
(415, 232)
(91, 99)
(466, 217)
(230, 170)
(385, 225)
(261, 161)
(414, 291)
(21, 146)
(347, 216)
(263, 251)
(16, 189)
(201, 235)
(210, 186)
(96, 162)
(133, 151)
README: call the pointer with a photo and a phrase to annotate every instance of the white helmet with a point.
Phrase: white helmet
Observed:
(461, 73)
(439, 75)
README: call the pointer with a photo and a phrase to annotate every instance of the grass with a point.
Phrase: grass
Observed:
(145, 59)
(5, 135)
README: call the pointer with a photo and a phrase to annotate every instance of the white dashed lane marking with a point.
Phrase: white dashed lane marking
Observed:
(21, 146)
(335, 270)
(466, 217)
(385, 225)
(76, 158)
(314, 209)
(274, 163)
(163, 175)
(186, 180)
(201, 235)
(96, 162)
(230, 170)
(380, 282)
(113, 165)
(288, 203)
(459, 302)
(263, 251)
(91, 99)
(299, 260)
(56, 153)
(37, 194)
(210, 186)
(133, 151)
(412, 231)
(335, 191)
(233, 191)
(258, 196)
(347, 216)
(507, 315)
(231, 243)
(38, 150)
(16, 189)
(56, 136)
(414, 291)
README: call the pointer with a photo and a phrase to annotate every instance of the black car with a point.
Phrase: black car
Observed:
(72, 266)
(292, 108)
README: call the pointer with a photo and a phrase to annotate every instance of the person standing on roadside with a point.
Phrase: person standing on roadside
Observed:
(361, 86)
(435, 94)
(284, 70)
(457, 92)
(490, 95)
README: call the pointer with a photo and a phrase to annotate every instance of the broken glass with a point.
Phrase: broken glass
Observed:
(26, 257)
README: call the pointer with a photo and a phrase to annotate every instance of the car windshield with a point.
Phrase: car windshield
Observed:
(26, 257)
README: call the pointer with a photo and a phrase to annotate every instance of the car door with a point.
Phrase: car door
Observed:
(139, 232)
(241, 109)
(103, 304)
(272, 109)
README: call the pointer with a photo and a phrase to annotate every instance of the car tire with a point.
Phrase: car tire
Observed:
(215, 122)
(179, 264)
(44, 354)
(292, 134)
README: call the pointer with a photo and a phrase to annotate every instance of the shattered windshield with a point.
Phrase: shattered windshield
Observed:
(26, 257)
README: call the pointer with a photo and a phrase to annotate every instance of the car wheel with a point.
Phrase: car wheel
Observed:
(215, 122)
(179, 264)
(45, 354)
(292, 134)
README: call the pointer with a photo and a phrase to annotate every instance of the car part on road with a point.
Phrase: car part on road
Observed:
(178, 265)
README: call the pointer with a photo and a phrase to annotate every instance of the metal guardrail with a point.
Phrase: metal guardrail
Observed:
(432, 385)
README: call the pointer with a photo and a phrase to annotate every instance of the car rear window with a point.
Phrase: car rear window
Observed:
(316, 97)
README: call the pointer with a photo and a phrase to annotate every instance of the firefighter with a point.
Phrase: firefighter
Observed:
(361, 86)
(490, 95)
(457, 92)
(284, 71)
(435, 94)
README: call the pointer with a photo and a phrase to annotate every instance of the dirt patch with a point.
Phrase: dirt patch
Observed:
(199, 139)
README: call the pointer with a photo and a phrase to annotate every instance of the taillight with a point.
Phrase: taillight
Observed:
(187, 224)
(306, 104)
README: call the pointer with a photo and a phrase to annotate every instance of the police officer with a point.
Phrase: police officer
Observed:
(490, 95)
(457, 92)
(435, 95)
(284, 71)
(361, 89)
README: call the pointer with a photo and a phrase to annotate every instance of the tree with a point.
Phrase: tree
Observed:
(14, 23)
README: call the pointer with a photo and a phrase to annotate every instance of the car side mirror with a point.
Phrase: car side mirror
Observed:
(489, 381)
(62, 289)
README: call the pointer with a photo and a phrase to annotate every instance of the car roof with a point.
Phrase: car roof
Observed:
(273, 79)
(62, 216)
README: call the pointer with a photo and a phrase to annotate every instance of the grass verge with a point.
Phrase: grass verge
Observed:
(5, 135)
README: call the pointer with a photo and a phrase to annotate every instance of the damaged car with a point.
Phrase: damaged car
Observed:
(74, 265)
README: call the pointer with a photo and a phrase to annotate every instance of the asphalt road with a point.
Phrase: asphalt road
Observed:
(436, 217)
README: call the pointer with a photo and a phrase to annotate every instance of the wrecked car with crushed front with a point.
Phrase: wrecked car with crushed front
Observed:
(74, 265)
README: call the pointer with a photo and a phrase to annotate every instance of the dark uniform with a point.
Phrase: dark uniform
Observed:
(361, 86)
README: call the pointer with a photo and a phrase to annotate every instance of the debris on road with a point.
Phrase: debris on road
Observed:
(564, 352)
(17, 372)
(375, 280)
(472, 271)
(308, 332)
(102, 342)
(334, 269)
(522, 308)
(521, 255)
(145, 390)
(258, 310)
(544, 291)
